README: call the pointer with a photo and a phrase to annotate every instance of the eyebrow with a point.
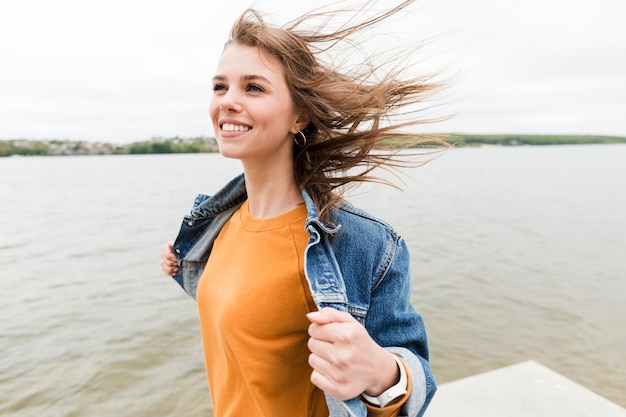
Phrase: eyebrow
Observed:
(251, 77)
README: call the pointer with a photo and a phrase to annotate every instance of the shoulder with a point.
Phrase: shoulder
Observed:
(355, 220)
(367, 246)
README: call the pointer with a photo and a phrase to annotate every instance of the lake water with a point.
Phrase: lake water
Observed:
(517, 253)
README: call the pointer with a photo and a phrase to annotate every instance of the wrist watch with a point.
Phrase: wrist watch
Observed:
(393, 393)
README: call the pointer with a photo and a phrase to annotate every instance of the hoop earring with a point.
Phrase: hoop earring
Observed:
(295, 140)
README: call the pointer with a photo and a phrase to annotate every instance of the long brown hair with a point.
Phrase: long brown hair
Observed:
(351, 111)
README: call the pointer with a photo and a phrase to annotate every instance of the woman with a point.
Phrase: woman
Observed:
(303, 299)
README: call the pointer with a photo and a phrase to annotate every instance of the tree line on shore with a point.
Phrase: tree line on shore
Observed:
(27, 147)
(520, 140)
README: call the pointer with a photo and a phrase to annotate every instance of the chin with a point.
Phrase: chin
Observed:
(229, 152)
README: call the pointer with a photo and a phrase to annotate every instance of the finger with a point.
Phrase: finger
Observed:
(319, 363)
(339, 390)
(167, 254)
(316, 317)
(169, 261)
(320, 347)
(168, 249)
(323, 365)
(330, 315)
(324, 375)
(168, 269)
(170, 272)
(330, 324)
(319, 380)
(169, 257)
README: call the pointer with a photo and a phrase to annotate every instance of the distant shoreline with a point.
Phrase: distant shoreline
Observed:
(533, 140)
(26, 147)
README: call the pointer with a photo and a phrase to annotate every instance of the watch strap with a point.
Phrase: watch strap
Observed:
(394, 392)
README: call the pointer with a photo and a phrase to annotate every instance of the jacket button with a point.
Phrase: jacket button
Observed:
(190, 223)
(177, 251)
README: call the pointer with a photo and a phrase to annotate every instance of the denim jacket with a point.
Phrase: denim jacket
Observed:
(363, 269)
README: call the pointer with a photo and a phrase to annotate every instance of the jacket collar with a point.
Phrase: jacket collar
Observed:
(313, 217)
(234, 193)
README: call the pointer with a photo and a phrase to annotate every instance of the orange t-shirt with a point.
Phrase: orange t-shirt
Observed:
(252, 299)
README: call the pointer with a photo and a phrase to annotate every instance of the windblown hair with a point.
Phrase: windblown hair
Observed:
(351, 111)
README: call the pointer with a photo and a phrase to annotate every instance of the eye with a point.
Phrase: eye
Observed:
(219, 87)
(254, 88)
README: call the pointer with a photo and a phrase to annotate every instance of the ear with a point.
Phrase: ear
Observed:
(300, 123)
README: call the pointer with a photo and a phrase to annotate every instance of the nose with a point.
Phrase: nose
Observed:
(229, 101)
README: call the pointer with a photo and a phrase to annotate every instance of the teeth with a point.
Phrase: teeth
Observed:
(228, 127)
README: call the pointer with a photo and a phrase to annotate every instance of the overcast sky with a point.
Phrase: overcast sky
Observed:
(127, 70)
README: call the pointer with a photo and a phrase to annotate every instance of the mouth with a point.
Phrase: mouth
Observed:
(230, 127)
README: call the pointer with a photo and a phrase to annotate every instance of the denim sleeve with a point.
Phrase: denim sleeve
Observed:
(397, 326)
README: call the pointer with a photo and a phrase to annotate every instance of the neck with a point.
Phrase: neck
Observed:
(271, 192)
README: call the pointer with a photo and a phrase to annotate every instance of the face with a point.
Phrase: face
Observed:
(253, 114)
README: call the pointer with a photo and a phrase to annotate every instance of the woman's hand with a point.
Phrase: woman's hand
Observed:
(346, 361)
(169, 262)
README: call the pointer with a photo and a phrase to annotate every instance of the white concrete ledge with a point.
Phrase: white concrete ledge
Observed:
(527, 389)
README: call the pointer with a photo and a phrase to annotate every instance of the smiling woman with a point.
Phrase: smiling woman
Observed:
(303, 299)
(254, 117)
